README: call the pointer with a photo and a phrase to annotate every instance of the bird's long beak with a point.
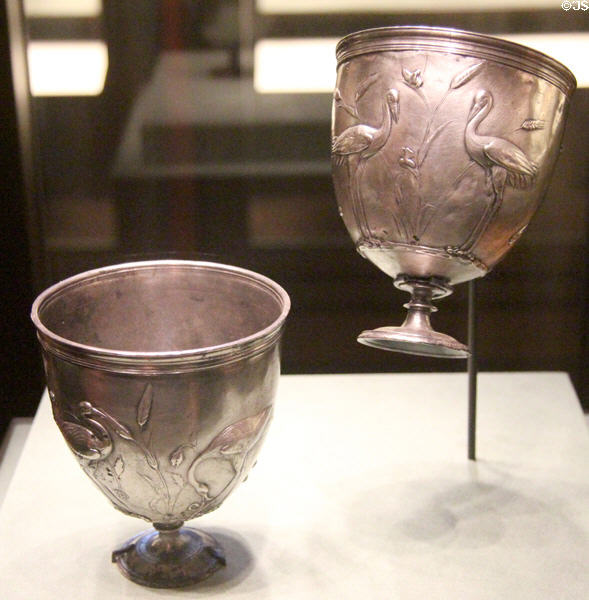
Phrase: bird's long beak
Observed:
(474, 109)
(395, 112)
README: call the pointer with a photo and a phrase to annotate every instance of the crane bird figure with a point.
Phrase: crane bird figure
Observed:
(356, 144)
(88, 439)
(504, 163)
(233, 445)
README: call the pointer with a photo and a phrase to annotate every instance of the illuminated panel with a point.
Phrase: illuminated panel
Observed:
(300, 65)
(62, 8)
(398, 6)
(67, 68)
(295, 65)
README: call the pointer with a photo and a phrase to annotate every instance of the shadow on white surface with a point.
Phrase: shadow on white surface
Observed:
(466, 509)
(240, 564)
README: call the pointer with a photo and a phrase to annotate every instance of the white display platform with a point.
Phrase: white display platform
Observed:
(362, 491)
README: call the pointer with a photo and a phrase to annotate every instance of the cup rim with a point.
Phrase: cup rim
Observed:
(176, 360)
(457, 41)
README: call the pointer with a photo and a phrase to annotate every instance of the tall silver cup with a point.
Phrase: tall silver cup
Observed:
(443, 144)
(162, 377)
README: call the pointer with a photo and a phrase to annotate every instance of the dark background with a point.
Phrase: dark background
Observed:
(69, 205)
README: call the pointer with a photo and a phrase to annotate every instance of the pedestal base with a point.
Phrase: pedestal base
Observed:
(169, 559)
(409, 341)
(416, 335)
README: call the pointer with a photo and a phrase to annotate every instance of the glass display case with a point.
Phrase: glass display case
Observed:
(149, 133)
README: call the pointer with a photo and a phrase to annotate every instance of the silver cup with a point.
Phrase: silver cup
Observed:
(162, 377)
(443, 144)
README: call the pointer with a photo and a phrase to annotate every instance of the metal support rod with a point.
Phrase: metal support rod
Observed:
(472, 372)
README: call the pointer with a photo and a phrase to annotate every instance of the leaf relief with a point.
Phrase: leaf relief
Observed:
(243, 433)
(424, 149)
(178, 480)
(532, 124)
(177, 457)
(150, 459)
(339, 101)
(119, 466)
(120, 494)
(144, 406)
(365, 85)
(465, 76)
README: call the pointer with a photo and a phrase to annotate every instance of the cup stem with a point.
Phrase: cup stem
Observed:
(169, 556)
(416, 335)
(419, 308)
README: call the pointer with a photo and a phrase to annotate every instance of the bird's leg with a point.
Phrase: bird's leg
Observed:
(362, 217)
(462, 173)
(474, 236)
(476, 233)
(354, 188)
(498, 179)
(497, 176)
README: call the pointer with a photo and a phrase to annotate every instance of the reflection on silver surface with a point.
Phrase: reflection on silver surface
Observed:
(162, 377)
(443, 143)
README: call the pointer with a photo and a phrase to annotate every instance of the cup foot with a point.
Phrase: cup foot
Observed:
(169, 559)
(416, 335)
(425, 342)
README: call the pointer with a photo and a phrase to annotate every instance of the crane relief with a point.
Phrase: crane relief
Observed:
(170, 482)
(356, 145)
(417, 199)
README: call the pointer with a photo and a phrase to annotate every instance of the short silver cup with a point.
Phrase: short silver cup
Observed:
(162, 377)
(443, 143)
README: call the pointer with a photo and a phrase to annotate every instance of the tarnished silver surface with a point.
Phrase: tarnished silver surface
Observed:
(443, 143)
(162, 377)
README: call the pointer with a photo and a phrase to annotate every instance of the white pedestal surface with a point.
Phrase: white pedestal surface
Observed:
(363, 490)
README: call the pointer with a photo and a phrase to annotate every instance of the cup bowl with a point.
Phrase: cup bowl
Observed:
(162, 377)
(443, 144)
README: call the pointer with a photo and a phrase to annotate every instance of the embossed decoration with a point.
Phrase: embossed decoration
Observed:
(357, 144)
(87, 434)
(437, 194)
(144, 406)
(165, 414)
(87, 437)
(503, 162)
(233, 446)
